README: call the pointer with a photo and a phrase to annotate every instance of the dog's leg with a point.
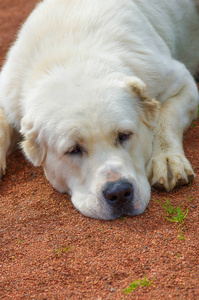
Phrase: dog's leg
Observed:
(168, 166)
(8, 140)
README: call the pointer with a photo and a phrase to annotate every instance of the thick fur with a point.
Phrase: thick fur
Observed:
(102, 91)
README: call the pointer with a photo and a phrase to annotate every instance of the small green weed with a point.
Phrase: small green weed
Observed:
(190, 199)
(180, 235)
(190, 185)
(122, 218)
(138, 283)
(65, 249)
(175, 214)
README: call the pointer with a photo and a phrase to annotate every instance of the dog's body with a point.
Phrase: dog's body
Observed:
(79, 84)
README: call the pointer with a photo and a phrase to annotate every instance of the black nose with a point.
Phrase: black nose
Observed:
(118, 192)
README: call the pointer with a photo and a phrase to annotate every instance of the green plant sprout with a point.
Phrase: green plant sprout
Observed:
(190, 199)
(138, 283)
(190, 185)
(180, 235)
(65, 249)
(175, 214)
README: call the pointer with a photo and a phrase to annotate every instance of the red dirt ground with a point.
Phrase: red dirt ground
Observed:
(48, 250)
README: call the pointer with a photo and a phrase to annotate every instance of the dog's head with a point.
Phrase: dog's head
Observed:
(93, 143)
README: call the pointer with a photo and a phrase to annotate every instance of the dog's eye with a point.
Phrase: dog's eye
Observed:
(76, 150)
(124, 136)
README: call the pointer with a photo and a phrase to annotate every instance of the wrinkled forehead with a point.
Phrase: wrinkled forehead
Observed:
(82, 113)
(86, 127)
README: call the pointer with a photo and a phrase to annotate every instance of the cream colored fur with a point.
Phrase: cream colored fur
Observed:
(102, 91)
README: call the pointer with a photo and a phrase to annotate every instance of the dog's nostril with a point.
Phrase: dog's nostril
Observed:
(117, 192)
(113, 198)
(128, 193)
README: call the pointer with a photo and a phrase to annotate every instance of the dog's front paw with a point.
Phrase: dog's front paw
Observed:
(169, 170)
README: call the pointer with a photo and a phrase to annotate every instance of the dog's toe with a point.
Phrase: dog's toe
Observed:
(168, 171)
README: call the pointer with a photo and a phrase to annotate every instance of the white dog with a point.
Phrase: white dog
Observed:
(102, 91)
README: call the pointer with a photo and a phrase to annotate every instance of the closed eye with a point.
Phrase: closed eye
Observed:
(76, 150)
(124, 136)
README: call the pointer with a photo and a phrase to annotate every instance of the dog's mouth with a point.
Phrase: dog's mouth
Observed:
(115, 199)
(128, 209)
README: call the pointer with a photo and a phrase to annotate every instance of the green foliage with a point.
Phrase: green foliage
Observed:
(138, 283)
(174, 214)
(122, 218)
(180, 235)
(190, 199)
(63, 249)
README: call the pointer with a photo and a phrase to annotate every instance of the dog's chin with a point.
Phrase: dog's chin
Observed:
(122, 212)
(101, 210)
(113, 213)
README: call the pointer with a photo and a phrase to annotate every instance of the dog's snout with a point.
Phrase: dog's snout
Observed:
(118, 192)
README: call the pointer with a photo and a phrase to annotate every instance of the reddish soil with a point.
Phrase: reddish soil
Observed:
(48, 250)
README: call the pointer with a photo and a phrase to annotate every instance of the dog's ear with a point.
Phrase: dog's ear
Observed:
(30, 145)
(149, 107)
(33, 151)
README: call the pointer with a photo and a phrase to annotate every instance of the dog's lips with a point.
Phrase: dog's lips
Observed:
(119, 211)
(130, 208)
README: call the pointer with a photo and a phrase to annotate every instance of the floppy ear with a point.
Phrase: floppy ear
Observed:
(149, 107)
(33, 152)
(30, 146)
